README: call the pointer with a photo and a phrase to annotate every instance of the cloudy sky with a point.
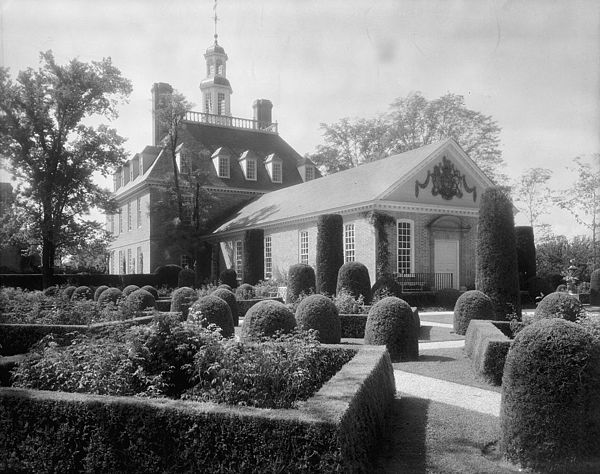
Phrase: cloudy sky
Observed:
(533, 65)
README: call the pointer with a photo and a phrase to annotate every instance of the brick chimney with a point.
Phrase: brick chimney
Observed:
(159, 89)
(262, 112)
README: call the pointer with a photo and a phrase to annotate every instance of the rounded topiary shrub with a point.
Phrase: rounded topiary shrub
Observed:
(386, 285)
(99, 291)
(353, 277)
(52, 291)
(182, 299)
(130, 289)
(68, 292)
(229, 277)
(245, 292)
(229, 298)
(320, 313)
(140, 299)
(538, 287)
(525, 253)
(82, 293)
(227, 287)
(559, 305)
(330, 252)
(471, 305)
(150, 289)
(301, 280)
(595, 287)
(562, 288)
(391, 322)
(550, 410)
(265, 318)
(110, 295)
(186, 277)
(213, 310)
(167, 275)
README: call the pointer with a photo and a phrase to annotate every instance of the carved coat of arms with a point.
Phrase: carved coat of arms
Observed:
(447, 182)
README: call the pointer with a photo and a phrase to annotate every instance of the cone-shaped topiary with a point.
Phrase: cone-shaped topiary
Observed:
(140, 299)
(68, 292)
(330, 252)
(213, 310)
(559, 305)
(167, 275)
(497, 272)
(320, 313)
(182, 299)
(595, 287)
(353, 277)
(82, 293)
(525, 253)
(253, 262)
(229, 298)
(110, 295)
(245, 292)
(265, 318)
(99, 291)
(386, 285)
(229, 277)
(550, 409)
(301, 280)
(391, 322)
(150, 289)
(471, 305)
(186, 277)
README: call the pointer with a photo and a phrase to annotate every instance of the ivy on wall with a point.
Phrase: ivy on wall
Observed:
(382, 253)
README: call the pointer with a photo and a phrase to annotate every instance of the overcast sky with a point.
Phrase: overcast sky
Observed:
(534, 65)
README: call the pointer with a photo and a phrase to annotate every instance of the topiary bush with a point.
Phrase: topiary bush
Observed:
(471, 305)
(320, 313)
(82, 293)
(301, 280)
(110, 295)
(538, 287)
(229, 277)
(391, 322)
(140, 299)
(227, 287)
(595, 287)
(497, 273)
(353, 277)
(68, 292)
(213, 310)
(186, 277)
(266, 318)
(99, 291)
(150, 289)
(562, 288)
(130, 289)
(245, 292)
(182, 299)
(253, 263)
(386, 285)
(229, 298)
(559, 305)
(167, 275)
(330, 252)
(550, 410)
(447, 298)
(52, 291)
(525, 253)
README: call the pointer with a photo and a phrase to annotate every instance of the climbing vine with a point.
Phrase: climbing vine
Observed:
(382, 257)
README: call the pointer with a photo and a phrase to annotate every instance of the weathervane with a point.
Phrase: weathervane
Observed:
(216, 18)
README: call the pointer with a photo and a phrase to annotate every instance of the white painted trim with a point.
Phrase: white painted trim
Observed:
(412, 244)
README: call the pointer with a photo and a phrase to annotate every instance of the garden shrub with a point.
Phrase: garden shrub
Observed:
(471, 305)
(391, 322)
(130, 289)
(182, 299)
(538, 287)
(447, 298)
(354, 278)
(245, 292)
(186, 277)
(139, 300)
(487, 344)
(253, 264)
(213, 310)
(229, 298)
(52, 291)
(386, 285)
(559, 305)
(68, 292)
(348, 304)
(227, 287)
(266, 318)
(525, 244)
(99, 291)
(319, 313)
(562, 288)
(301, 280)
(550, 410)
(330, 252)
(168, 275)
(110, 295)
(497, 272)
(229, 277)
(82, 293)
(595, 287)
(150, 289)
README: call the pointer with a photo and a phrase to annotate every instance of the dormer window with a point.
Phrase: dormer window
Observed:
(221, 162)
(310, 173)
(249, 162)
(275, 168)
(277, 172)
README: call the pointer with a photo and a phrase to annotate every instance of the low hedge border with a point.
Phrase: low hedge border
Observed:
(33, 281)
(353, 325)
(245, 305)
(486, 344)
(337, 430)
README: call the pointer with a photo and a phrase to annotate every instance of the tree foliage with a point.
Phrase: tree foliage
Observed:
(51, 150)
(532, 194)
(555, 252)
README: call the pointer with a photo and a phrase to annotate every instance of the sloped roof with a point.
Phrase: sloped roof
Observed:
(362, 184)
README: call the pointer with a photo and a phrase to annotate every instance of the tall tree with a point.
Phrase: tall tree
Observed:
(50, 149)
(533, 195)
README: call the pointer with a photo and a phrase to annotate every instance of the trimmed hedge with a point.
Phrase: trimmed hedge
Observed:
(229, 298)
(550, 410)
(265, 318)
(245, 305)
(447, 298)
(82, 293)
(330, 252)
(471, 305)
(318, 312)
(214, 310)
(337, 430)
(253, 266)
(150, 289)
(245, 292)
(68, 291)
(167, 275)
(140, 299)
(353, 277)
(595, 287)
(497, 272)
(99, 291)
(538, 286)
(130, 289)
(186, 277)
(182, 299)
(301, 279)
(229, 277)
(559, 305)
(110, 295)
(386, 285)
(525, 254)
(486, 344)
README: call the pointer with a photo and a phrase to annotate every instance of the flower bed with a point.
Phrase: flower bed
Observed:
(337, 429)
(487, 344)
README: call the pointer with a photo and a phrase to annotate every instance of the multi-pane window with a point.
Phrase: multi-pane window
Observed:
(238, 258)
(303, 247)
(121, 269)
(310, 173)
(405, 246)
(140, 260)
(349, 245)
(223, 167)
(220, 103)
(220, 69)
(130, 263)
(120, 221)
(208, 103)
(139, 212)
(129, 227)
(251, 169)
(268, 258)
(276, 172)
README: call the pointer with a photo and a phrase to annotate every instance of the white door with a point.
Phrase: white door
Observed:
(446, 259)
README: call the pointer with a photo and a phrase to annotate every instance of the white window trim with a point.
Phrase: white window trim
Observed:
(300, 254)
(412, 244)
(223, 172)
(273, 177)
(255, 162)
(353, 242)
(268, 257)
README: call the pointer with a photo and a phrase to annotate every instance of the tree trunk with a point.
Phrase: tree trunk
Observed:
(48, 252)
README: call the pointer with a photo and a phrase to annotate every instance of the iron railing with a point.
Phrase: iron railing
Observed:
(416, 282)
(233, 122)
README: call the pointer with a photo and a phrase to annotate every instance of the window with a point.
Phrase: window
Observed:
(251, 169)
(277, 172)
(220, 103)
(405, 246)
(220, 68)
(130, 263)
(120, 221)
(208, 103)
(268, 259)
(139, 212)
(129, 226)
(223, 167)
(304, 247)
(131, 172)
(310, 173)
(349, 254)
(112, 270)
(238, 258)
(211, 70)
(121, 269)
(140, 260)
